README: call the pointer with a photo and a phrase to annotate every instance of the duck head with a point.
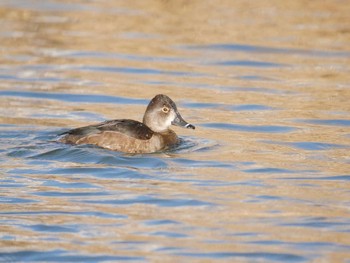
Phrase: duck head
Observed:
(161, 113)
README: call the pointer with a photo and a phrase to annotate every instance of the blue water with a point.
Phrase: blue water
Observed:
(264, 177)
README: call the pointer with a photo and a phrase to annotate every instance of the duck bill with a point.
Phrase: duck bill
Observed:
(179, 121)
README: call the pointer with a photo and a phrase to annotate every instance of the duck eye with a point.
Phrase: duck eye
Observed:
(165, 109)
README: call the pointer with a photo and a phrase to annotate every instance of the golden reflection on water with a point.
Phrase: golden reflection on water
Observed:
(98, 48)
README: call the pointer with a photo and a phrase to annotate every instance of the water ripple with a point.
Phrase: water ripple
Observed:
(219, 106)
(250, 128)
(330, 122)
(310, 146)
(149, 200)
(249, 63)
(60, 256)
(320, 222)
(345, 178)
(269, 50)
(96, 214)
(82, 98)
(279, 257)
(138, 71)
(54, 228)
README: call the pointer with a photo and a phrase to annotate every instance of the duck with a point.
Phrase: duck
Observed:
(151, 135)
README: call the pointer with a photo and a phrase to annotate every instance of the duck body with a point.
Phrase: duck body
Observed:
(130, 136)
(122, 135)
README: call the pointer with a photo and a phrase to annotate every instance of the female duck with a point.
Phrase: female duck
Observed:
(151, 135)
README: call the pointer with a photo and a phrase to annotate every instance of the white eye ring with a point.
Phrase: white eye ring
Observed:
(165, 109)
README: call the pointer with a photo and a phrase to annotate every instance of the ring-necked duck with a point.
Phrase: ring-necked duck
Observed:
(151, 135)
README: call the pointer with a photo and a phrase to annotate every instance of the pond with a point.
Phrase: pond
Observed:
(265, 177)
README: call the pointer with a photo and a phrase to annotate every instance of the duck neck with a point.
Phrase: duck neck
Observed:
(155, 125)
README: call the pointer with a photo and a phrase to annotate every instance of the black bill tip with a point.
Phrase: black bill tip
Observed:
(190, 126)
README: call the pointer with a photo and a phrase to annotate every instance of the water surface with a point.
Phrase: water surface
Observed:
(265, 177)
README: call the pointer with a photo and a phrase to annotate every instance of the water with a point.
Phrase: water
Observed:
(265, 177)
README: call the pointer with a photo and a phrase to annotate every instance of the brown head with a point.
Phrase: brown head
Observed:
(161, 113)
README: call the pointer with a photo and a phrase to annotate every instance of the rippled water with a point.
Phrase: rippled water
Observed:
(265, 177)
